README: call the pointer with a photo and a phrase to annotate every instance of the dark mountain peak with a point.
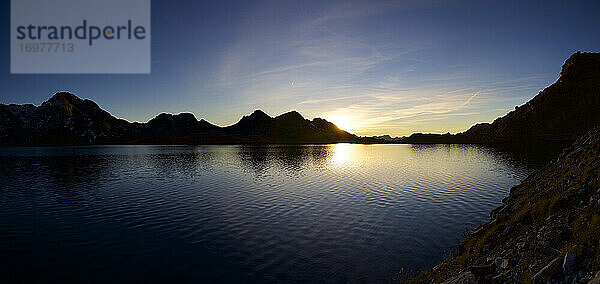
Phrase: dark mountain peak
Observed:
(65, 95)
(63, 98)
(161, 117)
(166, 123)
(254, 124)
(291, 116)
(69, 105)
(257, 117)
(581, 64)
(324, 123)
(259, 114)
(186, 116)
(318, 119)
(291, 122)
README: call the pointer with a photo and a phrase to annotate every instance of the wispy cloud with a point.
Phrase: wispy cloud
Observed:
(323, 66)
(309, 50)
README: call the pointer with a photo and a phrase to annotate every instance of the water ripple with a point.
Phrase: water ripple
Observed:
(334, 213)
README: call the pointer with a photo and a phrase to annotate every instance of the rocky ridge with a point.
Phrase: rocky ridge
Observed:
(65, 119)
(559, 114)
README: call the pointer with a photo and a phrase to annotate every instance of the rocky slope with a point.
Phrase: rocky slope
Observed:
(564, 110)
(559, 114)
(66, 119)
(546, 231)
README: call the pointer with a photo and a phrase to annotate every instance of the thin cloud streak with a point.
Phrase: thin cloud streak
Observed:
(325, 69)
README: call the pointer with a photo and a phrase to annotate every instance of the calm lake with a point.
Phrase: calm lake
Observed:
(323, 213)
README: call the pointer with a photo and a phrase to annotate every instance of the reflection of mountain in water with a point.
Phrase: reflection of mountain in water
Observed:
(68, 167)
(289, 158)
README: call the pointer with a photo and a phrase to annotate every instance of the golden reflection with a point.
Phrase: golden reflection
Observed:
(342, 154)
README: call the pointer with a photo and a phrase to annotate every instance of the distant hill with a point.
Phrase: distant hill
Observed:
(559, 114)
(289, 127)
(66, 119)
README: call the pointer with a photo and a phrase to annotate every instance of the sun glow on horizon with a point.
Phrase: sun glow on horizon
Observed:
(346, 123)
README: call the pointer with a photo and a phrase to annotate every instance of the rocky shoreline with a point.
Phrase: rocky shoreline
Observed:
(546, 231)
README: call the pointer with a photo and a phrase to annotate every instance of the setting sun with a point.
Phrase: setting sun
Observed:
(343, 122)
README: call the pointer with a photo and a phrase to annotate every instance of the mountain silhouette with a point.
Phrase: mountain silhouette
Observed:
(65, 119)
(562, 112)
(557, 115)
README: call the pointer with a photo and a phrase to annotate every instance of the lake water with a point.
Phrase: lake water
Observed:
(323, 213)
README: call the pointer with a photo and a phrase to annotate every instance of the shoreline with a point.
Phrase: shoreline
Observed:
(546, 229)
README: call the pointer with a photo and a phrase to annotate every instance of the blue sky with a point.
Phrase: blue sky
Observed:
(374, 67)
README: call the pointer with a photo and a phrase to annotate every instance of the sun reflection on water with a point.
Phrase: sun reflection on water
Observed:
(342, 154)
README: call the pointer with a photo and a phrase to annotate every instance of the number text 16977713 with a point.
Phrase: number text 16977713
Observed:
(47, 47)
